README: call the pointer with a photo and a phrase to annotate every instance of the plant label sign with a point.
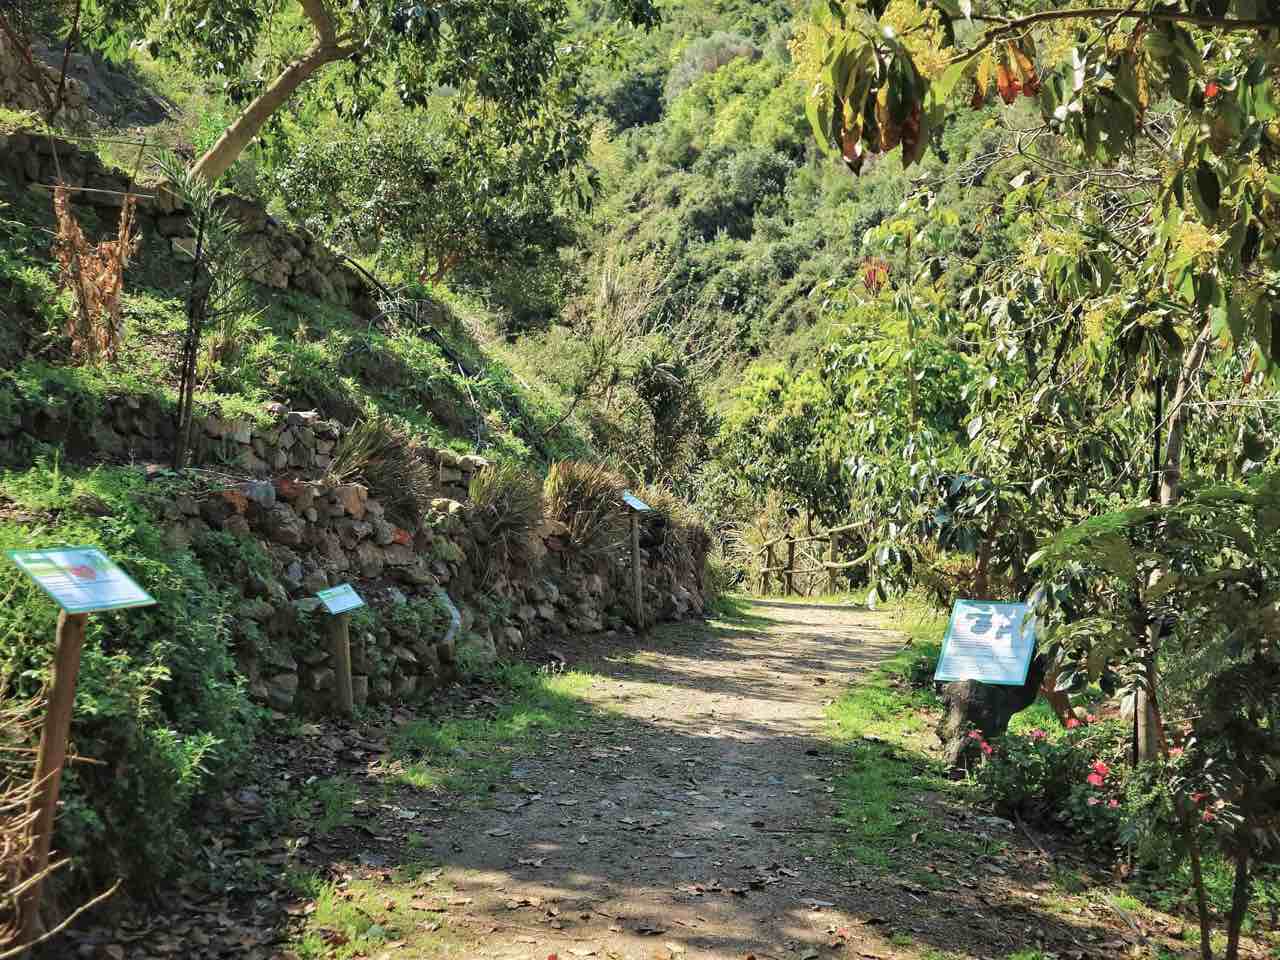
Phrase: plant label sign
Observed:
(635, 503)
(988, 642)
(81, 579)
(340, 599)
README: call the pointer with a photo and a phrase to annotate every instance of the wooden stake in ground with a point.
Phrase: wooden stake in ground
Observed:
(637, 507)
(53, 753)
(340, 601)
(340, 654)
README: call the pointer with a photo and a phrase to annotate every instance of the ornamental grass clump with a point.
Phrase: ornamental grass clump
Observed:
(377, 452)
(587, 499)
(507, 502)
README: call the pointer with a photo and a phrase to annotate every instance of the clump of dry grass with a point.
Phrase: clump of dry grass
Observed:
(677, 533)
(587, 499)
(379, 453)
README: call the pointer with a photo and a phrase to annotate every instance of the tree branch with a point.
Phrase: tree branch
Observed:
(1004, 25)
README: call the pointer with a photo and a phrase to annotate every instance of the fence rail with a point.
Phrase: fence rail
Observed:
(788, 571)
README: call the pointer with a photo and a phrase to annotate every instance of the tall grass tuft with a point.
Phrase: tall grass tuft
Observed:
(588, 500)
(379, 453)
(508, 503)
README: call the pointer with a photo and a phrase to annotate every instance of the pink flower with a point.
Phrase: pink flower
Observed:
(1093, 801)
(1199, 797)
(1175, 751)
(1072, 723)
(1113, 803)
(987, 748)
(1090, 718)
(1095, 779)
(974, 735)
(1037, 734)
(1207, 816)
(1100, 768)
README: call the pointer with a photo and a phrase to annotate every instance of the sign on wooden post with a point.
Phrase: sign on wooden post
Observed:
(340, 601)
(81, 580)
(989, 642)
(637, 507)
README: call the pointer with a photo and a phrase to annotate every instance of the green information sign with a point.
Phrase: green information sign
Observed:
(340, 599)
(81, 579)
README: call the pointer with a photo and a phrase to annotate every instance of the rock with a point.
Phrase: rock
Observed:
(308, 604)
(399, 555)
(315, 581)
(512, 639)
(448, 475)
(383, 533)
(256, 610)
(261, 492)
(285, 527)
(281, 689)
(970, 705)
(314, 656)
(322, 679)
(546, 611)
(360, 690)
(371, 560)
(404, 654)
(405, 685)
(353, 498)
(416, 574)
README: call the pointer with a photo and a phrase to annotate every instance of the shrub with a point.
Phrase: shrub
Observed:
(377, 452)
(588, 500)
(508, 503)
(1076, 779)
(158, 701)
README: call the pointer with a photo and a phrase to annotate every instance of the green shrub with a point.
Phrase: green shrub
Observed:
(587, 498)
(159, 704)
(379, 453)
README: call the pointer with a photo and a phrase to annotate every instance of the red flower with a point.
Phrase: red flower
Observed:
(1037, 734)
(1100, 768)
(1113, 803)
(987, 748)
(1095, 779)
(1207, 816)
(1093, 801)
(1199, 797)
(1072, 723)
(974, 735)
(1090, 718)
(1175, 751)
(1211, 89)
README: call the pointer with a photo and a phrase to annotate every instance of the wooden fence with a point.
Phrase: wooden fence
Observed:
(787, 571)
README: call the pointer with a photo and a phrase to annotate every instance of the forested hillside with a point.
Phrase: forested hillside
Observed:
(992, 293)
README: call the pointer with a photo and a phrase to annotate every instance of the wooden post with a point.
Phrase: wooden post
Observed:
(49, 761)
(791, 565)
(637, 580)
(340, 654)
(831, 559)
(768, 565)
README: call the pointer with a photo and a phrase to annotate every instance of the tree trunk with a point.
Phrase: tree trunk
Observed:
(219, 158)
(1202, 902)
(1150, 733)
(1239, 906)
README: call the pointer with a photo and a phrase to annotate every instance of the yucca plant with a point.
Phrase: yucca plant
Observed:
(588, 500)
(379, 453)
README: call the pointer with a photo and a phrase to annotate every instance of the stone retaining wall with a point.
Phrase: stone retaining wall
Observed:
(285, 258)
(317, 534)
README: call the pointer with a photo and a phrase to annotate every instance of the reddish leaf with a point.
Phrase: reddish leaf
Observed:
(1007, 84)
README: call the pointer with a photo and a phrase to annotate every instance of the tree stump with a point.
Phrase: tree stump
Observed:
(970, 705)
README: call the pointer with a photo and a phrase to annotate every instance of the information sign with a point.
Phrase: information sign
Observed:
(340, 599)
(987, 641)
(635, 503)
(81, 579)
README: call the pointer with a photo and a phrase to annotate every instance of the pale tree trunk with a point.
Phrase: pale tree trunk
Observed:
(219, 158)
(1150, 732)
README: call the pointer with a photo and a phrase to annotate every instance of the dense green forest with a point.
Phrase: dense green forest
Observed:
(994, 292)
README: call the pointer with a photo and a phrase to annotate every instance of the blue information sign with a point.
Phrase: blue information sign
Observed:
(988, 641)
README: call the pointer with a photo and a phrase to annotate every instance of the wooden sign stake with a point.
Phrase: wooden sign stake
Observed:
(49, 761)
(637, 581)
(340, 653)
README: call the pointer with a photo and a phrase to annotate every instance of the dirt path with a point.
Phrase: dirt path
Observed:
(687, 822)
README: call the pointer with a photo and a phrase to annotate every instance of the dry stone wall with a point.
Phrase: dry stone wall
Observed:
(18, 92)
(284, 258)
(315, 533)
